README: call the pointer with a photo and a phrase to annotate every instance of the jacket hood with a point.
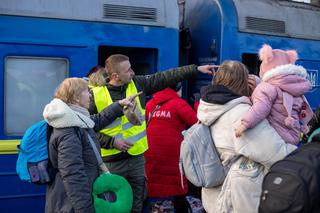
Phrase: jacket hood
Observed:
(287, 69)
(164, 96)
(59, 115)
(217, 94)
(208, 113)
(289, 78)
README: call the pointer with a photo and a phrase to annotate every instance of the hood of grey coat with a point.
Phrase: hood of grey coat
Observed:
(59, 115)
(208, 113)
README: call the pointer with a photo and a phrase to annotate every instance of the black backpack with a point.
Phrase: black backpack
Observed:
(293, 184)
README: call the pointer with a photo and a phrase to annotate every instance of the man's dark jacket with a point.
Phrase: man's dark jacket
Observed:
(149, 84)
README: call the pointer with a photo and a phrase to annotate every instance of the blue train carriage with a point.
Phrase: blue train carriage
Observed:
(214, 31)
(43, 42)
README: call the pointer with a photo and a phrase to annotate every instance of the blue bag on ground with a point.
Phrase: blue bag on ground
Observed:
(33, 164)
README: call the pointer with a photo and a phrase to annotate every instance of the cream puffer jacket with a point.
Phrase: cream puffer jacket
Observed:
(247, 157)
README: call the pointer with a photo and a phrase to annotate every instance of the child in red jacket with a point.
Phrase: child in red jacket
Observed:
(167, 115)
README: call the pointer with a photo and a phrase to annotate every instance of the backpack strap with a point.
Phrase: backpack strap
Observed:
(52, 169)
(101, 165)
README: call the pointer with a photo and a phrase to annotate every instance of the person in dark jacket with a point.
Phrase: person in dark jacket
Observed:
(314, 125)
(123, 144)
(168, 115)
(315, 121)
(69, 148)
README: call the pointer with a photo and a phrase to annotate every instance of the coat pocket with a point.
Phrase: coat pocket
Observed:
(246, 181)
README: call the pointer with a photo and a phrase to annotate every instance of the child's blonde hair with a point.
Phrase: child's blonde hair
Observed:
(234, 76)
(97, 78)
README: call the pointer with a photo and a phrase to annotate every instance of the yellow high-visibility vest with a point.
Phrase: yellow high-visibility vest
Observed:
(121, 128)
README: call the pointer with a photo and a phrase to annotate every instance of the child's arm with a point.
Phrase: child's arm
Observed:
(262, 102)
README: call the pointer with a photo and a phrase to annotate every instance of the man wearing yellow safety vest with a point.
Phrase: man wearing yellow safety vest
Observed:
(123, 144)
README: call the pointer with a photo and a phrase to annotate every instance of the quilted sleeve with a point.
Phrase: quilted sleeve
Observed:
(263, 98)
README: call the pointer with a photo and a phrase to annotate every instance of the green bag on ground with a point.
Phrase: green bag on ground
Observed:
(107, 182)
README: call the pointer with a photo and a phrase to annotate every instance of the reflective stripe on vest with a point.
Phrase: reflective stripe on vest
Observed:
(121, 128)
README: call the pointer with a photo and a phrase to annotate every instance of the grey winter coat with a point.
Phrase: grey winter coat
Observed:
(71, 153)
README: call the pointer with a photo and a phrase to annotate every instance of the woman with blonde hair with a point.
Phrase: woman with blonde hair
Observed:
(246, 158)
(70, 151)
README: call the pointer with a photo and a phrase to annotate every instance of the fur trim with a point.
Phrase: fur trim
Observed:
(287, 69)
(292, 55)
(265, 53)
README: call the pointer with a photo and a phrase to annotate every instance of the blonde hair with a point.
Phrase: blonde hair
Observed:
(234, 76)
(70, 89)
(97, 78)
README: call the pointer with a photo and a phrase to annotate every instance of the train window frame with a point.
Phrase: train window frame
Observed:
(24, 98)
(137, 56)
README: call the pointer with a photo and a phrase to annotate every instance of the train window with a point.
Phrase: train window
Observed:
(251, 60)
(29, 85)
(143, 60)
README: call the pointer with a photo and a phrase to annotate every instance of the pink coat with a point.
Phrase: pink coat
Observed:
(280, 99)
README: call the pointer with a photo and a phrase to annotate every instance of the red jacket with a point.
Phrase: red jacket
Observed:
(164, 138)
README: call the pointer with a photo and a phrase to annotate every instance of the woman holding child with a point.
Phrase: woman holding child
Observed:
(248, 157)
